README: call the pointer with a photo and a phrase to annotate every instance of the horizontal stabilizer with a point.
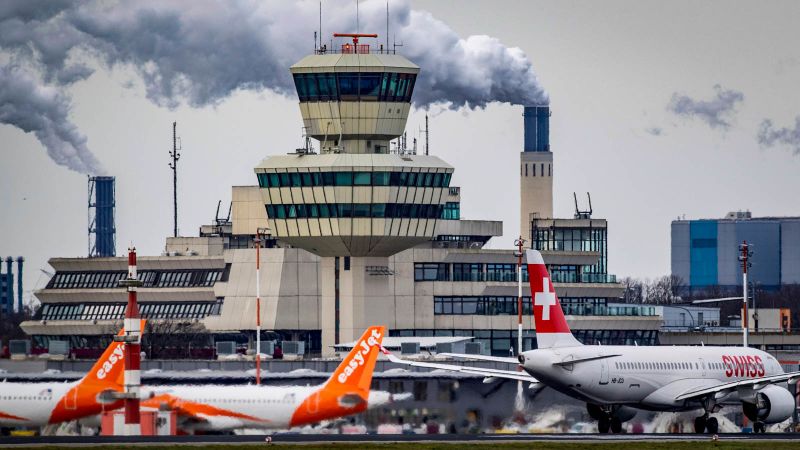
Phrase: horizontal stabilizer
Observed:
(583, 360)
(502, 359)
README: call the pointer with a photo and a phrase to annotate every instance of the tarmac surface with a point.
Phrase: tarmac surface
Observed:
(377, 438)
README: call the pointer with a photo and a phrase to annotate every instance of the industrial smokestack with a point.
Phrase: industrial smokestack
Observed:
(537, 128)
(102, 230)
(20, 260)
(10, 284)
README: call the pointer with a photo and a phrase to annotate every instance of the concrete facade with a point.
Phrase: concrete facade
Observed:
(536, 189)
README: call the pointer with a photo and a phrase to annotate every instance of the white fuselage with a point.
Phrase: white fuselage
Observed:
(645, 377)
(32, 404)
(231, 407)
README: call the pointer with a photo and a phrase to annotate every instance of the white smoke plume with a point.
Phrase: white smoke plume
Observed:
(769, 136)
(200, 52)
(43, 110)
(716, 112)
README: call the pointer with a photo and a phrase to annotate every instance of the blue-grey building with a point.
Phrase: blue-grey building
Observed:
(705, 251)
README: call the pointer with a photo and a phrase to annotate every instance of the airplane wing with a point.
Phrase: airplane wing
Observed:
(189, 411)
(502, 359)
(726, 388)
(488, 373)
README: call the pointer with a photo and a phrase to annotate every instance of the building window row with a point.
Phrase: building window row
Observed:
(317, 179)
(574, 240)
(533, 170)
(502, 272)
(467, 272)
(354, 86)
(480, 305)
(507, 305)
(617, 337)
(149, 278)
(452, 211)
(495, 342)
(354, 210)
(116, 311)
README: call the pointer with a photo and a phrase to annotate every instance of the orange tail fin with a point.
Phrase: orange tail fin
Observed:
(357, 367)
(110, 368)
(347, 390)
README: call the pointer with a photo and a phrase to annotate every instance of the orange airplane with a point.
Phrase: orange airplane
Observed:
(39, 404)
(217, 408)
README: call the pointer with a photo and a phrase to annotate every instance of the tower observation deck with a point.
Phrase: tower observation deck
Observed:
(357, 196)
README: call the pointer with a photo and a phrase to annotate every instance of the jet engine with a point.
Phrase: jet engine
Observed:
(773, 404)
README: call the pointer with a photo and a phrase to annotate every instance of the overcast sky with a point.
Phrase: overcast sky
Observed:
(659, 109)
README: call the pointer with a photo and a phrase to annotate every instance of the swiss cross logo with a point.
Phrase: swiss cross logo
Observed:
(545, 299)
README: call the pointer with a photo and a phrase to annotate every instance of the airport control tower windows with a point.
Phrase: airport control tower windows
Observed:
(355, 86)
(314, 179)
(355, 210)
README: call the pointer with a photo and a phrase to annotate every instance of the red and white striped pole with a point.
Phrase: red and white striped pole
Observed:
(132, 351)
(258, 307)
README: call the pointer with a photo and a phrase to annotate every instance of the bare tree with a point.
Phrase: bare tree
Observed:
(174, 339)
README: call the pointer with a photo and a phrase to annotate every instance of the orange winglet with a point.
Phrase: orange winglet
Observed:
(347, 390)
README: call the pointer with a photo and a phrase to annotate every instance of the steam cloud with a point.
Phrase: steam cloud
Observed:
(768, 136)
(201, 52)
(714, 112)
(43, 111)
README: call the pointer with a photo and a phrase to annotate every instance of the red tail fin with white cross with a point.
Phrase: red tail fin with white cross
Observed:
(551, 325)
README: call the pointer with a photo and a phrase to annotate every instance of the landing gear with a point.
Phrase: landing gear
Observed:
(700, 424)
(604, 424)
(712, 425)
(759, 427)
(703, 424)
(616, 425)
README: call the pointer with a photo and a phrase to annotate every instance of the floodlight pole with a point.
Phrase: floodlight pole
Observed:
(519, 243)
(258, 306)
(744, 257)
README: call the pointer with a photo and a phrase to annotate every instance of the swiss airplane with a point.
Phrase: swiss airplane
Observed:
(218, 408)
(615, 380)
(40, 404)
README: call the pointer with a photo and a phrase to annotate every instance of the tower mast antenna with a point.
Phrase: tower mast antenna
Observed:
(174, 166)
(387, 26)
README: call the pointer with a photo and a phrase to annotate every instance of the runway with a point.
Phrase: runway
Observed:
(288, 438)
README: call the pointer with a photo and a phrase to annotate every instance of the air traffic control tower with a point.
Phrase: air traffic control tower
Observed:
(360, 198)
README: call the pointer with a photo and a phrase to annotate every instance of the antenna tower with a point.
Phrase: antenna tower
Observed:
(174, 166)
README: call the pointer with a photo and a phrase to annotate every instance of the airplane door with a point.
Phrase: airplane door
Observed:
(603, 371)
(71, 399)
(702, 367)
(313, 405)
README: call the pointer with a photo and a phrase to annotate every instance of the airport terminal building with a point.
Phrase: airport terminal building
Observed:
(358, 231)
